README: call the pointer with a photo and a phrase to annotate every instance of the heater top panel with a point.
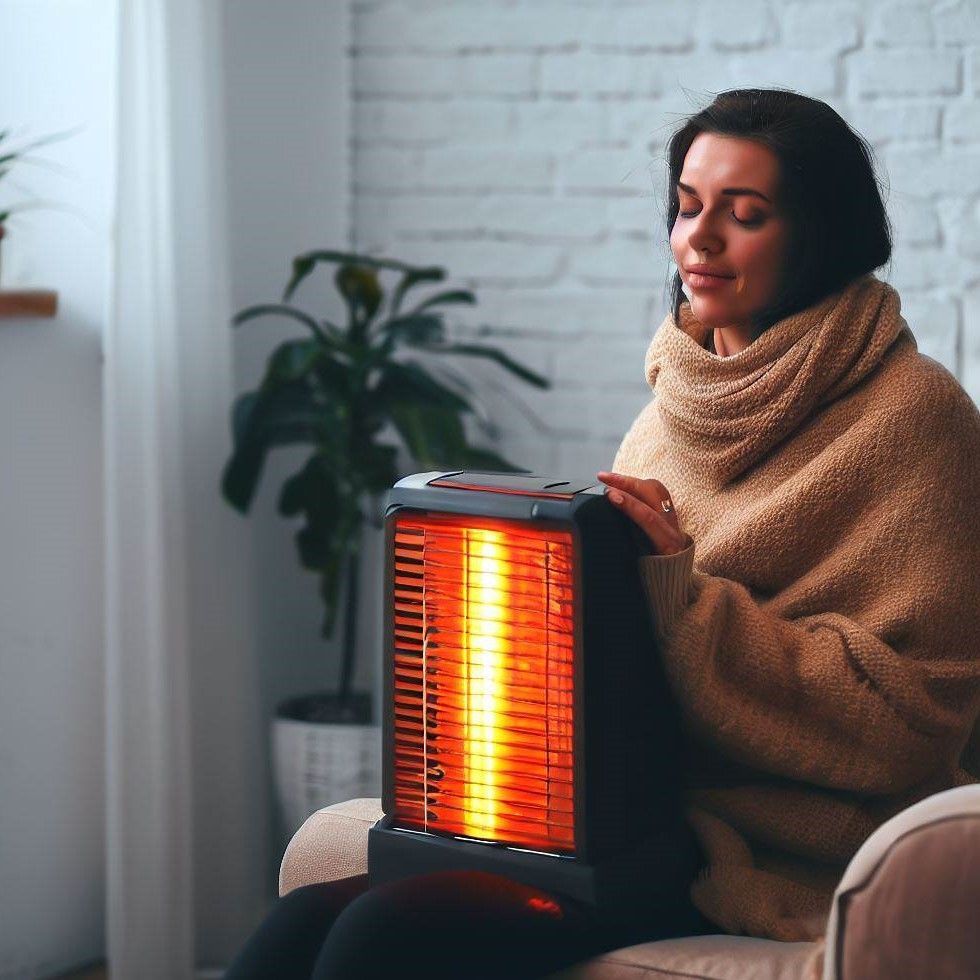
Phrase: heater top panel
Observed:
(520, 496)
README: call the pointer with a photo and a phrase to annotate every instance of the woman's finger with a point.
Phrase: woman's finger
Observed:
(651, 492)
(665, 538)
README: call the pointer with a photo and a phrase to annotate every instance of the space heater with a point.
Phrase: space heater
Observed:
(528, 729)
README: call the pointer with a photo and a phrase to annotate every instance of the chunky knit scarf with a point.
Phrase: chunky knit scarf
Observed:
(822, 633)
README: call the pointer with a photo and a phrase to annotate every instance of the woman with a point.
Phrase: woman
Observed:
(824, 649)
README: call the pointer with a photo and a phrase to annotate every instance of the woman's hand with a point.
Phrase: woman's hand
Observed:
(647, 503)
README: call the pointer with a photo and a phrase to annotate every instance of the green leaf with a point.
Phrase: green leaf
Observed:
(276, 417)
(377, 466)
(292, 497)
(281, 309)
(433, 435)
(491, 353)
(241, 413)
(332, 526)
(300, 492)
(453, 296)
(436, 439)
(408, 382)
(292, 360)
(458, 382)
(413, 277)
(310, 362)
(304, 264)
(240, 476)
(34, 144)
(313, 551)
(335, 380)
(315, 489)
(415, 328)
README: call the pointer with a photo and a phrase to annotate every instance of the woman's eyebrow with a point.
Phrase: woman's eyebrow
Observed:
(731, 191)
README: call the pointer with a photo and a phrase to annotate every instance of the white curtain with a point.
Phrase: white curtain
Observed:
(185, 838)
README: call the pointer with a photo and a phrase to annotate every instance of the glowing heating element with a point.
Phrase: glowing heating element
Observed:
(483, 679)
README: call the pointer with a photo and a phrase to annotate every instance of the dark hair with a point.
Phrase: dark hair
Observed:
(828, 191)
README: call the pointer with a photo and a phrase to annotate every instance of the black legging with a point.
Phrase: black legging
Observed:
(443, 926)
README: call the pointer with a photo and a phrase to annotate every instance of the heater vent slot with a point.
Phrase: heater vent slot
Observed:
(484, 642)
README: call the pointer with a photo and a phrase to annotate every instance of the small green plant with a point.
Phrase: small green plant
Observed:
(344, 391)
(9, 156)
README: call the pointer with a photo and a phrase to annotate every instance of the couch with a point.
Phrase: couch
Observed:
(907, 906)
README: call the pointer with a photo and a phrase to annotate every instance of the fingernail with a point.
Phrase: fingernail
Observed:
(616, 497)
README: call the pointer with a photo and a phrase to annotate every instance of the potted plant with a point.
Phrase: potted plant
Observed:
(356, 394)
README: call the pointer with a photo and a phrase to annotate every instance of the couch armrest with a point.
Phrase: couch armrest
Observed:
(331, 844)
(907, 904)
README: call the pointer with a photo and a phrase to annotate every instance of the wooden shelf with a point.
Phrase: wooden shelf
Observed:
(21, 303)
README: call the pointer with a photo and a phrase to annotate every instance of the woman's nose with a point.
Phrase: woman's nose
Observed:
(703, 238)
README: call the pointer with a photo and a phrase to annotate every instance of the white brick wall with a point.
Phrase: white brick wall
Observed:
(519, 144)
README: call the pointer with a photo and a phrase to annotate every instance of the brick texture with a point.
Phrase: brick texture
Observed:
(520, 144)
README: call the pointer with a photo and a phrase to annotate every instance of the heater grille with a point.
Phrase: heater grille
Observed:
(484, 638)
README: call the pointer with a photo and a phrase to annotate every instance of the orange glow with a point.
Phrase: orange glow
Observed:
(484, 641)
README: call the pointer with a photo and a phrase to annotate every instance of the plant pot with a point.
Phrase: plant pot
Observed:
(322, 755)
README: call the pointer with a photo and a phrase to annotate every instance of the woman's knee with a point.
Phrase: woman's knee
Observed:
(289, 939)
(317, 901)
(368, 938)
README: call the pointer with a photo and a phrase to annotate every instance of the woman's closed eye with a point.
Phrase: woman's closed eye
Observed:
(751, 221)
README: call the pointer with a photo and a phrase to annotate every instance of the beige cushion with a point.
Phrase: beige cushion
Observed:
(331, 844)
(701, 958)
(907, 905)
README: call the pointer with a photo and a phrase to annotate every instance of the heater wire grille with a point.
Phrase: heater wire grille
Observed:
(484, 642)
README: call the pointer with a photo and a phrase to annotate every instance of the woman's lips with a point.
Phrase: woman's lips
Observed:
(701, 280)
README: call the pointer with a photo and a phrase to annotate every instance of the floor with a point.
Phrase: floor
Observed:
(100, 972)
(91, 973)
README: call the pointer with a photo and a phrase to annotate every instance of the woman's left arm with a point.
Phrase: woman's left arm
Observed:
(873, 701)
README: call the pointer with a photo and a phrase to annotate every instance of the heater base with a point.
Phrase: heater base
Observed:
(657, 874)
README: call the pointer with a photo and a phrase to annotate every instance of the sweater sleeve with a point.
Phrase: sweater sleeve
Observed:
(667, 582)
(873, 695)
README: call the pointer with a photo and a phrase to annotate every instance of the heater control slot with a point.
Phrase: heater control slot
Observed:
(525, 484)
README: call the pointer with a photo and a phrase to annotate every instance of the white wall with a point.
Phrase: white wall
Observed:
(55, 73)
(521, 145)
(288, 191)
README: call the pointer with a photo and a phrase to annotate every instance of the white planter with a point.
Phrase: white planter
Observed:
(317, 764)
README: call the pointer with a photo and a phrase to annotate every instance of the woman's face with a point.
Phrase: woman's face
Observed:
(730, 224)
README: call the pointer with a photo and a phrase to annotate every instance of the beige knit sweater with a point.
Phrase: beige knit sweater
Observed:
(822, 634)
